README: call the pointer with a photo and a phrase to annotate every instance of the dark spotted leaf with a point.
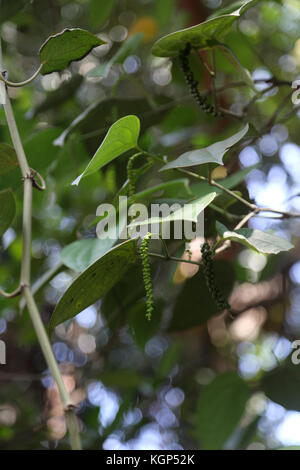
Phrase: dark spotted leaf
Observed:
(94, 282)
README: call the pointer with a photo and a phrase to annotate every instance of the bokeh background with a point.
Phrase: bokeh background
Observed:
(137, 385)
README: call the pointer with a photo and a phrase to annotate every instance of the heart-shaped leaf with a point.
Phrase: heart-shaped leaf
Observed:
(8, 159)
(220, 408)
(59, 50)
(203, 35)
(7, 210)
(94, 282)
(212, 154)
(122, 136)
(262, 242)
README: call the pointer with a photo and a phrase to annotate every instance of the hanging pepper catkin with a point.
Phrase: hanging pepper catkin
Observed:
(144, 254)
(193, 84)
(130, 177)
(209, 273)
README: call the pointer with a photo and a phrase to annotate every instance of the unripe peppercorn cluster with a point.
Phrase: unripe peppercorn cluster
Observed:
(144, 254)
(130, 177)
(193, 84)
(209, 273)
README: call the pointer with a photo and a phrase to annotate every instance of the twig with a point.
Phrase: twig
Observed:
(174, 258)
(20, 84)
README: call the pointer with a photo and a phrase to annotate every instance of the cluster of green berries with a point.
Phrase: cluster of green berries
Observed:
(209, 273)
(131, 177)
(144, 254)
(193, 84)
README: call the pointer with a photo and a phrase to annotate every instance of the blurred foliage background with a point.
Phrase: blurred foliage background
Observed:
(141, 385)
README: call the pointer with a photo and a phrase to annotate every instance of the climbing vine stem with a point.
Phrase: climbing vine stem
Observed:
(25, 277)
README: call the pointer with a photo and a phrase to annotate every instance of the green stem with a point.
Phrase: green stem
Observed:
(173, 258)
(25, 276)
(20, 84)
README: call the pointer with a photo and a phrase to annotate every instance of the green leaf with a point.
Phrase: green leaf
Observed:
(203, 35)
(8, 159)
(7, 210)
(212, 154)
(164, 11)
(282, 384)
(228, 9)
(243, 73)
(122, 136)
(42, 140)
(59, 50)
(168, 361)
(188, 212)
(122, 378)
(100, 11)
(81, 254)
(169, 188)
(107, 111)
(255, 239)
(141, 329)
(220, 408)
(194, 305)
(94, 282)
(127, 48)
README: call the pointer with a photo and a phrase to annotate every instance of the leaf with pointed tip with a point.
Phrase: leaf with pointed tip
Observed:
(212, 154)
(59, 50)
(255, 239)
(94, 282)
(8, 159)
(203, 35)
(122, 136)
(188, 212)
(7, 210)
